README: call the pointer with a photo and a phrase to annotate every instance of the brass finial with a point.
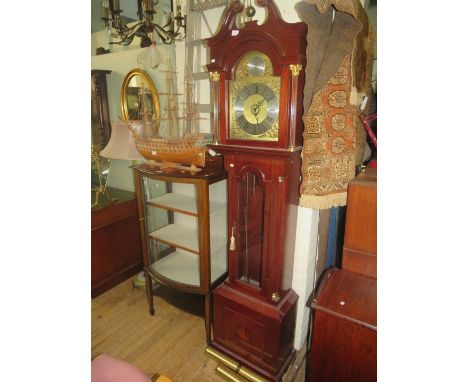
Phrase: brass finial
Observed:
(214, 76)
(295, 69)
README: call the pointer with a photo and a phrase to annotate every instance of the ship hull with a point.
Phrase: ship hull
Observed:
(181, 151)
(194, 156)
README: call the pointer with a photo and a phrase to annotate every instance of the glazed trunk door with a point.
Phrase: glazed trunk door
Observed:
(250, 229)
(247, 231)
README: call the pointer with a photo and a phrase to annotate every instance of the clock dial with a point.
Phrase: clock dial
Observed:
(255, 66)
(256, 109)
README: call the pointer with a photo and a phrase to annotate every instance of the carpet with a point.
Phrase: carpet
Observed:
(337, 77)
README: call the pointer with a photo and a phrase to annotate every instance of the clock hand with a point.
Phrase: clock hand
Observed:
(255, 109)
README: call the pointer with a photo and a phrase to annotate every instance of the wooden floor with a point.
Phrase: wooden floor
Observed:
(172, 342)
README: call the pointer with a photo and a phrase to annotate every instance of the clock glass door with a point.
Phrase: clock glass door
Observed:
(250, 229)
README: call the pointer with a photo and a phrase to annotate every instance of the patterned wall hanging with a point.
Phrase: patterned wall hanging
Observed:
(338, 76)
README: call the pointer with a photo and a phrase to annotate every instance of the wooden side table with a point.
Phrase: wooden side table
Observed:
(115, 241)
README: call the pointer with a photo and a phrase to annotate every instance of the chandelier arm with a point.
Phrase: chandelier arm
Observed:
(165, 37)
(127, 35)
(124, 40)
(166, 33)
(129, 30)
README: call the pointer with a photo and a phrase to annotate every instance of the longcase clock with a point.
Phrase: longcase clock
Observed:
(257, 80)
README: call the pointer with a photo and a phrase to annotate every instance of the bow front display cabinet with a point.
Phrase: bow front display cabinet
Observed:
(183, 221)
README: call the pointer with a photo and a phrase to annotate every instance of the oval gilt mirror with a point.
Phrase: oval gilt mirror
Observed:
(138, 97)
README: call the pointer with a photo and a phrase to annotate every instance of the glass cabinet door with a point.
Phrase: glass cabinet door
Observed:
(218, 229)
(250, 229)
(173, 231)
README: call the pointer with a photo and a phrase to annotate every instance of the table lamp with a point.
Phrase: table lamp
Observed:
(120, 146)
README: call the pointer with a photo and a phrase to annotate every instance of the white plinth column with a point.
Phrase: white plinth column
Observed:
(304, 268)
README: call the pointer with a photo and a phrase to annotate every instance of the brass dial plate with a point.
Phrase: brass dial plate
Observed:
(254, 108)
(254, 64)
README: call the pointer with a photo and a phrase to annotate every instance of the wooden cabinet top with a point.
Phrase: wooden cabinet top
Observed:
(348, 295)
(207, 173)
(117, 196)
(368, 178)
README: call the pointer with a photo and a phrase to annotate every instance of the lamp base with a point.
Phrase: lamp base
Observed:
(98, 192)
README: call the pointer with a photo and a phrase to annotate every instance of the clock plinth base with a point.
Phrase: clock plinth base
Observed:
(257, 334)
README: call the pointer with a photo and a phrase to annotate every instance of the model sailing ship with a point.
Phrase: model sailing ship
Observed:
(164, 141)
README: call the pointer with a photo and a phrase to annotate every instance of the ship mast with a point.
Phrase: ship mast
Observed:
(171, 118)
(143, 111)
(189, 109)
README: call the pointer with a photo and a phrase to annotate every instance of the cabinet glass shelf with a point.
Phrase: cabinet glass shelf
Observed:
(179, 236)
(182, 203)
(182, 267)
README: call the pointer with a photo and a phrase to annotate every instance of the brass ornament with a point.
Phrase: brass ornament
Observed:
(250, 11)
(275, 297)
(295, 69)
(215, 76)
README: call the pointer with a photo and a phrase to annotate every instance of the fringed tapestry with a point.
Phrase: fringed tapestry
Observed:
(338, 76)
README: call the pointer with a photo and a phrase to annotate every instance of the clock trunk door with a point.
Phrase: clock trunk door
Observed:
(248, 231)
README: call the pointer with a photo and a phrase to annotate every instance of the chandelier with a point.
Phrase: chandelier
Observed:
(172, 30)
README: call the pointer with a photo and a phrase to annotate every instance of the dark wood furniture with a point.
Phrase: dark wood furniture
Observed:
(360, 241)
(257, 82)
(115, 241)
(344, 334)
(100, 117)
(183, 230)
(344, 337)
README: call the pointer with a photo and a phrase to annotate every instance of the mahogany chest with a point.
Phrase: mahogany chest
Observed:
(360, 240)
(115, 242)
(344, 337)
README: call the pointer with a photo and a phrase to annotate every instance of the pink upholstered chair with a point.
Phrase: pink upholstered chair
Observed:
(105, 368)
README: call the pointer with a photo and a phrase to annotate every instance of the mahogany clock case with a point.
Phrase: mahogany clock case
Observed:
(256, 333)
(255, 324)
(254, 310)
(285, 46)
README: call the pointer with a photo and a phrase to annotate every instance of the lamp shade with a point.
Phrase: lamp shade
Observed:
(121, 144)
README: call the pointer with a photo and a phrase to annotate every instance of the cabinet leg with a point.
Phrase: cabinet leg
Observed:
(149, 292)
(208, 317)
